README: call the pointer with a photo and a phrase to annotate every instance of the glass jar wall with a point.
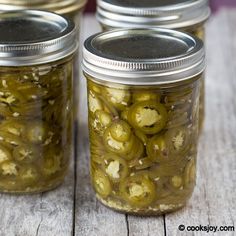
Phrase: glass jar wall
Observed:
(143, 145)
(35, 126)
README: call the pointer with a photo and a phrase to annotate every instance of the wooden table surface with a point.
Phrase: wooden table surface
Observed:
(72, 208)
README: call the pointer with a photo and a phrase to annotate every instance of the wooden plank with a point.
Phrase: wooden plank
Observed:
(49, 213)
(91, 218)
(146, 226)
(214, 200)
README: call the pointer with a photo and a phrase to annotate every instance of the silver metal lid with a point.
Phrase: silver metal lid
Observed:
(57, 6)
(143, 56)
(149, 13)
(35, 37)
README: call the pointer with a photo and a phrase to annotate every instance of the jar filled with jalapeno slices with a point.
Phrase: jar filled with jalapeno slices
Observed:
(143, 105)
(184, 15)
(72, 9)
(36, 51)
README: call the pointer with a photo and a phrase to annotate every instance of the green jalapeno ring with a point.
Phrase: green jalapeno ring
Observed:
(94, 103)
(94, 87)
(13, 126)
(167, 169)
(11, 96)
(190, 173)
(114, 146)
(28, 175)
(10, 139)
(26, 153)
(124, 114)
(141, 96)
(137, 150)
(157, 149)
(178, 140)
(143, 137)
(101, 183)
(115, 167)
(9, 168)
(108, 107)
(27, 110)
(162, 191)
(141, 163)
(120, 131)
(149, 117)
(38, 132)
(138, 190)
(118, 98)
(5, 153)
(176, 182)
(51, 162)
(100, 121)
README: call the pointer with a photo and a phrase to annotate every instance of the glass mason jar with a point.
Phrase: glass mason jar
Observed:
(143, 105)
(184, 15)
(35, 100)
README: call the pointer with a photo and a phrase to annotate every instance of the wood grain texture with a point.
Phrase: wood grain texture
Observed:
(39, 214)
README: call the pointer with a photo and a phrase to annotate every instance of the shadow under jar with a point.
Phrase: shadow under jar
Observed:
(183, 15)
(36, 99)
(143, 107)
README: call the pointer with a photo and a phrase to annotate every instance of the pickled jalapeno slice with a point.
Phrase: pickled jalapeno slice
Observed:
(116, 146)
(11, 97)
(28, 175)
(26, 153)
(124, 114)
(5, 154)
(138, 190)
(101, 121)
(157, 149)
(143, 137)
(94, 103)
(13, 126)
(176, 182)
(119, 98)
(37, 132)
(137, 150)
(178, 139)
(101, 183)
(141, 163)
(9, 168)
(120, 131)
(140, 96)
(9, 138)
(115, 167)
(51, 161)
(190, 172)
(150, 117)
(94, 87)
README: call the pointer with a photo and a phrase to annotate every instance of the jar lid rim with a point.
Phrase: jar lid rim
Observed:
(125, 56)
(179, 15)
(34, 37)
